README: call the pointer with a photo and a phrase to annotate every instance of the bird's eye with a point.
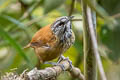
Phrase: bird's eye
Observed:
(62, 23)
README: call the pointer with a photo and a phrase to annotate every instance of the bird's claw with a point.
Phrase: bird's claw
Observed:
(62, 66)
(70, 63)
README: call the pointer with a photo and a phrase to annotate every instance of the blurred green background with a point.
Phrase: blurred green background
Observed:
(20, 19)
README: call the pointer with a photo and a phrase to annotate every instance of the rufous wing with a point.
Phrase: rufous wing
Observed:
(43, 37)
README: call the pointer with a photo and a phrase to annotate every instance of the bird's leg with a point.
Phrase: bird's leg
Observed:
(61, 58)
(54, 63)
(40, 61)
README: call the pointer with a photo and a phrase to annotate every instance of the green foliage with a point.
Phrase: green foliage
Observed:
(6, 36)
(112, 7)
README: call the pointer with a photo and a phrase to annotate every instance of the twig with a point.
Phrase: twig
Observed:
(49, 73)
(72, 7)
(76, 19)
(40, 18)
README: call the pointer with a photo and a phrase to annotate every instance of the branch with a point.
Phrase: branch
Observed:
(95, 46)
(49, 73)
(91, 47)
(90, 68)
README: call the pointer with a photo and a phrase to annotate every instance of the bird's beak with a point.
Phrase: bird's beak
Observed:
(71, 17)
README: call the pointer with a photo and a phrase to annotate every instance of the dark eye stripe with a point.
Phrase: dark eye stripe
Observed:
(58, 21)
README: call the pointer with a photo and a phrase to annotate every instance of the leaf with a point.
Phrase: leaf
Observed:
(50, 5)
(6, 36)
(20, 25)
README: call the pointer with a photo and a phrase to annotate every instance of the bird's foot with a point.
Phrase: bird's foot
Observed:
(61, 58)
(62, 66)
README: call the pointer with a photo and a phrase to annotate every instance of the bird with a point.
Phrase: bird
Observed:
(53, 40)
